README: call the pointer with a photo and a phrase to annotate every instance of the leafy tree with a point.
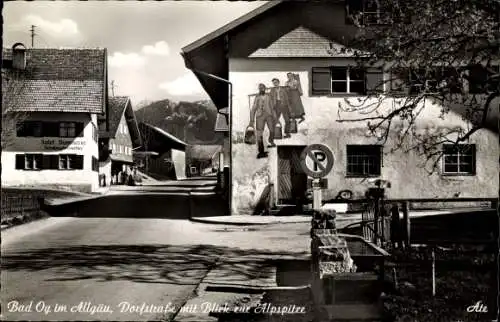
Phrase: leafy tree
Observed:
(12, 88)
(435, 51)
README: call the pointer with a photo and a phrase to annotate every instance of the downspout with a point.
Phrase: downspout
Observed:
(229, 119)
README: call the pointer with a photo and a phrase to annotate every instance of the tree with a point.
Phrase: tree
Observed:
(12, 88)
(442, 52)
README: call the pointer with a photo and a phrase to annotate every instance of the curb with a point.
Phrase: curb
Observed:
(232, 223)
(248, 289)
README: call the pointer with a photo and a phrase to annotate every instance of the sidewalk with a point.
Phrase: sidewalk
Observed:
(251, 220)
(270, 220)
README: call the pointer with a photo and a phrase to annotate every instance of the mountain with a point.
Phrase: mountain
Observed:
(192, 122)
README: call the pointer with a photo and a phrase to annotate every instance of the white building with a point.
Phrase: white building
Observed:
(51, 99)
(301, 42)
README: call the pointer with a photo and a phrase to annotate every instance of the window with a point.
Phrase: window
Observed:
(482, 79)
(29, 128)
(414, 81)
(51, 129)
(29, 161)
(364, 160)
(67, 129)
(338, 80)
(95, 164)
(369, 12)
(459, 159)
(70, 161)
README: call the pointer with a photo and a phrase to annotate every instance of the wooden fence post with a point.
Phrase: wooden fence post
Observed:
(375, 220)
(407, 224)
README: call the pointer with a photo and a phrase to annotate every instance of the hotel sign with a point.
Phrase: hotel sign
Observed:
(63, 144)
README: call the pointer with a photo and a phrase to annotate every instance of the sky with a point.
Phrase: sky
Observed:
(143, 39)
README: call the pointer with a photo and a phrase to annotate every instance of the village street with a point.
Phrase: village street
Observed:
(81, 263)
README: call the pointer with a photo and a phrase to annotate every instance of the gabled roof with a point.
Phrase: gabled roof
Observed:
(208, 56)
(217, 90)
(121, 107)
(301, 42)
(58, 80)
(231, 25)
(116, 108)
(158, 140)
(202, 152)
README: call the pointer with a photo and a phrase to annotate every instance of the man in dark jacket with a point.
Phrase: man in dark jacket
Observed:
(280, 104)
(261, 114)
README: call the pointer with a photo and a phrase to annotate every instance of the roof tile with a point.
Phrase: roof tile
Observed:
(61, 80)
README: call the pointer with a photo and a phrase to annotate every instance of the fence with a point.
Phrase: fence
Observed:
(378, 227)
(25, 201)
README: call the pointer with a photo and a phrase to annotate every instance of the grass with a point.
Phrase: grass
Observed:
(464, 276)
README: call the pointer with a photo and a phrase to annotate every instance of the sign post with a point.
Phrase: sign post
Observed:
(317, 196)
(317, 162)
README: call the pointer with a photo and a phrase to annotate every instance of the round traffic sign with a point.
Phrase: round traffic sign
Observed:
(317, 160)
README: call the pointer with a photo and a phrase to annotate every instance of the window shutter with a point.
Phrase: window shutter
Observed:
(79, 129)
(20, 129)
(374, 81)
(78, 162)
(473, 148)
(53, 161)
(19, 161)
(46, 161)
(321, 81)
(399, 78)
(50, 129)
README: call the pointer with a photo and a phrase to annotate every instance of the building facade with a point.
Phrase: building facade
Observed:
(162, 155)
(308, 80)
(51, 100)
(118, 137)
(202, 160)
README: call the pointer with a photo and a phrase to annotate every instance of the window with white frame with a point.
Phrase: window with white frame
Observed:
(29, 161)
(338, 80)
(459, 159)
(364, 160)
(70, 161)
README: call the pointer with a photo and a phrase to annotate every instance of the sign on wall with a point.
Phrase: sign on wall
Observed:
(63, 144)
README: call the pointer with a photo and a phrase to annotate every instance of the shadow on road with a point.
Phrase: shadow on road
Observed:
(145, 205)
(182, 265)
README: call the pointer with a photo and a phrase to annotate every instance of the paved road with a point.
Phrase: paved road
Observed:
(80, 263)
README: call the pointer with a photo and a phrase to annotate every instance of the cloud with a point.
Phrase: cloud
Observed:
(119, 59)
(185, 85)
(62, 28)
(160, 48)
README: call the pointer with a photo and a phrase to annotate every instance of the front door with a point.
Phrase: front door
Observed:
(292, 181)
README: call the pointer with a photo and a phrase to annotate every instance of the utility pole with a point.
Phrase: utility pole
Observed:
(32, 30)
(113, 88)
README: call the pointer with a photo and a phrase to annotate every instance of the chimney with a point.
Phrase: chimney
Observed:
(19, 56)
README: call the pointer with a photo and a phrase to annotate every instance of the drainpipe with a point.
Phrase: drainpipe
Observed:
(230, 124)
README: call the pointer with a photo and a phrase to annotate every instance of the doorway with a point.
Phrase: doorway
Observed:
(292, 181)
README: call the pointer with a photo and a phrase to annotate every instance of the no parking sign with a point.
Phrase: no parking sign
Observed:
(317, 160)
